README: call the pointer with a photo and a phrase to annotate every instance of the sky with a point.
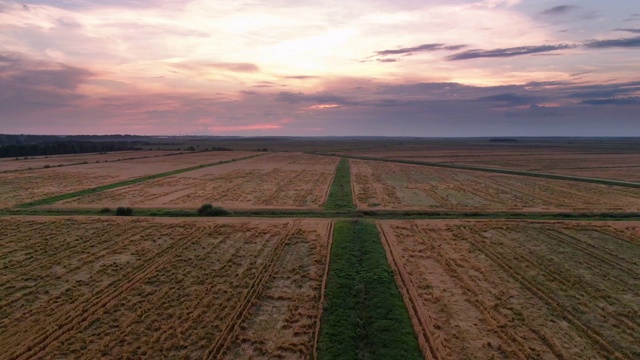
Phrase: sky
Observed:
(320, 68)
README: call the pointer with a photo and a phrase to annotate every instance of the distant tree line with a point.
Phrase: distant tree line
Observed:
(64, 147)
(8, 139)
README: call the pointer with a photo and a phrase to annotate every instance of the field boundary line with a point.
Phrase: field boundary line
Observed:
(97, 189)
(316, 336)
(430, 350)
(500, 171)
(218, 348)
(540, 293)
(77, 316)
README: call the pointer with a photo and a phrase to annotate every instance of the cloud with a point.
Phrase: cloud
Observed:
(636, 31)
(508, 52)
(420, 48)
(605, 91)
(318, 98)
(204, 65)
(632, 42)
(28, 85)
(558, 10)
(614, 101)
(511, 99)
(301, 77)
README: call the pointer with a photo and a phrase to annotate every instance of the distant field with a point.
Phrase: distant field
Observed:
(37, 162)
(24, 186)
(280, 180)
(170, 288)
(387, 185)
(516, 290)
(603, 165)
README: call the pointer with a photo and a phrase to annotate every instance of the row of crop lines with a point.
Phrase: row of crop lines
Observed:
(578, 194)
(565, 279)
(180, 309)
(368, 188)
(271, 183)
(206, 292)
(462, 309)
(392, 185)
(286, 315)
(60, 322)
(597, 289)
(43, 270)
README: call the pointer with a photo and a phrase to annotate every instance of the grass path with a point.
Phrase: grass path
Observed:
(364, 315)
(340, 195)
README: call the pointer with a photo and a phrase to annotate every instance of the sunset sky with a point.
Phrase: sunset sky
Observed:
(316, 68)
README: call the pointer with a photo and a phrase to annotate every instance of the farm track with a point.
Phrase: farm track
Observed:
(63, 324)
(218, 348)
(544, 294)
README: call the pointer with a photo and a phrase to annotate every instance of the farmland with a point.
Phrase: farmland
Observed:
(490, 289)
(38, 162)
(147, 288)
(399, 186)
(24, 186)
(591, 160)
(320, 256)
(282, 180)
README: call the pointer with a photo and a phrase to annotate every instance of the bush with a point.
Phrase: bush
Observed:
(105, 210)
(124, 211)
(210, 210)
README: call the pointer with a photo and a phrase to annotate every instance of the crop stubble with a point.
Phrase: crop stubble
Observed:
(281, 180)
(164, 287)
(594, 163)
(497, 289)
(25, 186)
(401, 186)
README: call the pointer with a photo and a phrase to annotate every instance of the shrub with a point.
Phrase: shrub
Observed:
(124, 211)
(105, 210)
(210, 210)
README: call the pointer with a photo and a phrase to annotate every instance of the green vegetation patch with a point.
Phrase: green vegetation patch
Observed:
(364, 316)
(340, 196)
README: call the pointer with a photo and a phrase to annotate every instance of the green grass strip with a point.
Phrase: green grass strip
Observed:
(344, 214)
(364, 315)
(500, 171)
(340, 196)
(56, 198)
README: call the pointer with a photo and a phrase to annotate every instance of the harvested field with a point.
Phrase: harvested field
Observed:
(399, 186)
(614, 166)
(151, 288)
(38, 162)
(281, 180)
(24, 186)
(520, 290)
